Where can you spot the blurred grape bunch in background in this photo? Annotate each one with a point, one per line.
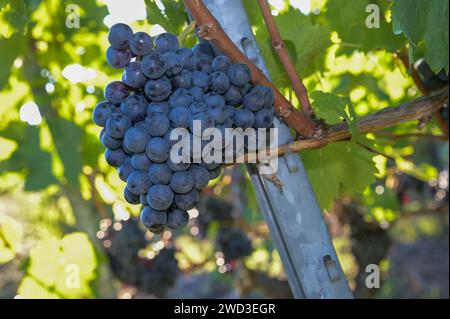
(61, 204)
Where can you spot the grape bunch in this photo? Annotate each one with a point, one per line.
(165, 87)
(233, 243)
(153, 276)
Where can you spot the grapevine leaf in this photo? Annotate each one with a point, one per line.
(11, 234)
(333, 109)
(66, 266)
(339, 167)
(29, 157)
(425, 21)
(306, 42)
(348, 19)
(14, 44)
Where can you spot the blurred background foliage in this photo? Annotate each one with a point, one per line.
(385, 198)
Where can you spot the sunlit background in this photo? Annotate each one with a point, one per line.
(62, 205)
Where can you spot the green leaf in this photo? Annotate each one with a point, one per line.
(425, 21)
(333, 109)
(65, 266)
(11, 234)
(172, 19)
(15, 45)
(348, 19)
(29, 157)
(339, 167)
(67, 137)
(306, 42)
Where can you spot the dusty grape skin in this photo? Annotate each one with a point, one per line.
(141, 43)
(158, 150)
(166, 42)
(177, 218)
(160, 197)
(116, 92)
(119, 35)
(158, 90)
(153, 65)
(151, 217)
(118, 59)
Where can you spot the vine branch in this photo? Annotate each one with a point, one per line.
(211, 30)
(288, 65)
(403, 56)
(420, 109)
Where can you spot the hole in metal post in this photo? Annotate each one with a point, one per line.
(331, 266)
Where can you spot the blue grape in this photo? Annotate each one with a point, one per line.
(158, 150)
(119, 35)
(135, 139)
(203, 50)
(166, 42)
(160, 173)
(206, 122)
(174, 63)
(131, 198)
(267, 93)
(115, 158)
(221, 63)
(204, 65)
(197, 93)
(244, 118)
(141, 43)
(180, 117)
(125, 169)
(215, 173)
(254, 101)
(102, 112)
(157, 124)
(239, 74)
(160, 197)
(210, 166)
(143, 199)
(158, 90)
(140, 162)
(153, 65)
(138, 182)
(152, 218)
(218, 113)
(200, 79)
(118, 59)
(214, 100)
(187, 201)
(246, 89)
(188, 58)
(135, 107)
(108, 141)
(218, 82)
(158, 107)
(116, 92)
(263, 119)
(201, 176)
(233, 95)
(133, 76)
(177, 218)
(182, 182)
(198, 107)
(169, 140)
(182, 80)
(178, 167)
(117, 125)
(181, 97)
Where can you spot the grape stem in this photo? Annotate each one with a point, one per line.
(419, 109)
(211, 30)
(288, 65)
